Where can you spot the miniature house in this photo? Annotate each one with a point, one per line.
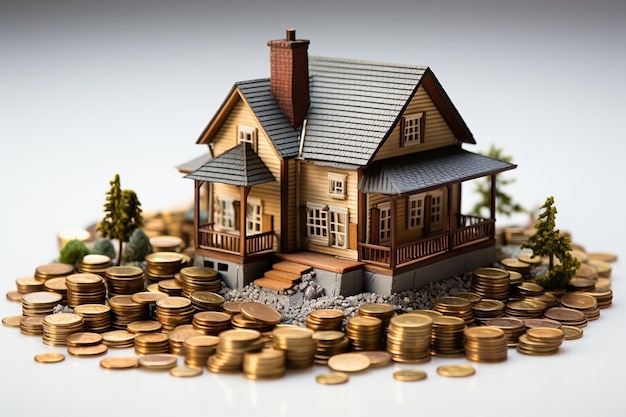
(352, 168)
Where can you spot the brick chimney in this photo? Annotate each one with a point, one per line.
(289, 76)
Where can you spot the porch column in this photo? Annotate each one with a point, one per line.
(493, 197)
(243, 217)
(196, 211)
(393, 229)
(449, 218)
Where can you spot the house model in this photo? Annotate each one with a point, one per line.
(350, 168)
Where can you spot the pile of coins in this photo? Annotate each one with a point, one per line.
(197, 350)
(163, 265)
(492, 283)
(97, 317)
(329, 343)
(298, 344)
(269, 363)
(124, 280)
(197, 278)
(455, 306)
(40, 303)
(94, 264)
(234, 343)
(57, 327)
(174, 311)
(211, 322)
(325, 319)
(541, 341)
(447, 336)
(409, 338)
(365, 333)
(124, 311)
(85, 288)
(486, 344)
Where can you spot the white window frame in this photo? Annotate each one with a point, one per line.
(337, 185)
(225, 213)
(254, 216)
(436, 211)
(415, 211)
(413, 125)
(384, 231)
(247, 134)
(338, 220)
(317, 223)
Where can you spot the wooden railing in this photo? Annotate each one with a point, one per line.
(227, 242)
(471, 230)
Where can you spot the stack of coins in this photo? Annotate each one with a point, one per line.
(298, 344)
(528, 289)
(197, 350)
(513, 328)
(57, 327)
(329, 343)
(603, 296)
(198, 278)
(493, 283)
(171, 286)
(85, 288)
(455, 306)
(382, 311)
(550, 299)
(526, 308)
(409, 338)
(256, 316)
(581, 284)
(365, 333)
(124, 280)
(325, 319)
(124, 311)
(32, 325)
(57, 285)
(541, 341)
(163, 265)
(86, 345)
(485, 344)
(566, 316)
(27, 285)
(94, 264)
(151, 343)
(230, 351)
(515, 279)
(178, 337)
(515, 264)
(487, 309)
(269, 363)
(40, 303)
(174, 311)
(211, 322)
(147, 297)
(118, 339)
(232, 308)
(447, 336)
(53, 270)
(206, 301)
(582, 302)
(530, 259)
(97, 317)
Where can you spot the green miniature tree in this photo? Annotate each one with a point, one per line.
(138, 247)
(549, 242)
(122, 215)
(504, 202)
(103, 247)
(73, 252)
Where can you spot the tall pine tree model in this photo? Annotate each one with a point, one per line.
(122, 215)
(549, 242)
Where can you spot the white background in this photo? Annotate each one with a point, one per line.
(90, 90)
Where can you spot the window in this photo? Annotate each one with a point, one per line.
(317, 223)
(436, 215)
(384, 232)
(336, 185)
(415, 211)
(247, 134)
(225, 216)
(254, 216)
(412, 129)
(338, 224)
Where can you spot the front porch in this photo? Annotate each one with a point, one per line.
(230, 242)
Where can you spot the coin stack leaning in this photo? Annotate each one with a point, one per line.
(27, 285)
(269, 363)
(163, 265)
(325, 319)
(97, 317)
(57, 327)
(492, 283)
(486, 344)
(448, 336)
(124, 311)
(206, 301)
(197, 349)
(124, 280)
(329, 343)
(527, 289)
(409, 338)
(603, 296)
(541, 341)
(198, 278)
(566, 316)
(582, 302)
(455, 306)
(40, 303)
(298, 344)
(365, 333)
(85, 288)
(174, 311)
(94, 264)
(234, 343)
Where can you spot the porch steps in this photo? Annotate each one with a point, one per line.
(282, 276)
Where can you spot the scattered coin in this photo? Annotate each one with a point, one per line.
(572, 332)
(12, 321)
(409, 375)
(332, 378)
(120, 362)
(95, 350)
(49, 357)
(158, 361)
(456, 370)
(185, 371)
(349, 362)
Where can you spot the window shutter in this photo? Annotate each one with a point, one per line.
(402, 131)
(422, 127)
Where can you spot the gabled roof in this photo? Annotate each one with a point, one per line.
(239, 166)
(428, 170)
(354, 106)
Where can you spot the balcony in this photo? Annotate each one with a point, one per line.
(230, 242)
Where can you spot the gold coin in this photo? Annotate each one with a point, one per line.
(185, 371)
(332, 378)
(158, 361)
(12, 321)
(94, 350)
(14, 296)
(260, 312)
(571, 332)
(49, 357)
(84, 339)
(145, 297)
(349, 362)
(456, 370)
(409, 375)
(377, 357)
(143, 326)
(120, 362)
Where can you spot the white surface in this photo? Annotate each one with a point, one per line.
(90, 90)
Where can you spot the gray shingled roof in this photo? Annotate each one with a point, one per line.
(239, 166)
(427, 170)
(195, 163)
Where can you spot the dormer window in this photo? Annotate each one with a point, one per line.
(412, 129)
(247, 134)
(336, 185)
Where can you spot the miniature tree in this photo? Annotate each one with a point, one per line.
(72, 252)
(122, 215)
(138, 247)
(104, 247)
(548, 241)
(504, 202)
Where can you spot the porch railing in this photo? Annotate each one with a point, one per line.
(228, 242)
(472, 229)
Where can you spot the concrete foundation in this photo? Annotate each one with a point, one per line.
(235, 275)
(334, 283)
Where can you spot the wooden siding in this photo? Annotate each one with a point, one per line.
(268, 193)
(437, 133)
(292, 210)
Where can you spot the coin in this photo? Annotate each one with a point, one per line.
(185, 371)
(120, 362)
(571, 332)
(49, 357)
(158, 361)
(94, 350)
(409, 375)
(332, 378)
(456, 370)
(260, 312)
(84, 339)
(377, 357)
(12, 321)
(349, 362)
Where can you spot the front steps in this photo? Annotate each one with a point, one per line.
(283, 276)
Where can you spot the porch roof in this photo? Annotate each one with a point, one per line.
(428, 170)
(239, 166)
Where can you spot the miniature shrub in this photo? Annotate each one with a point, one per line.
(72, 252)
